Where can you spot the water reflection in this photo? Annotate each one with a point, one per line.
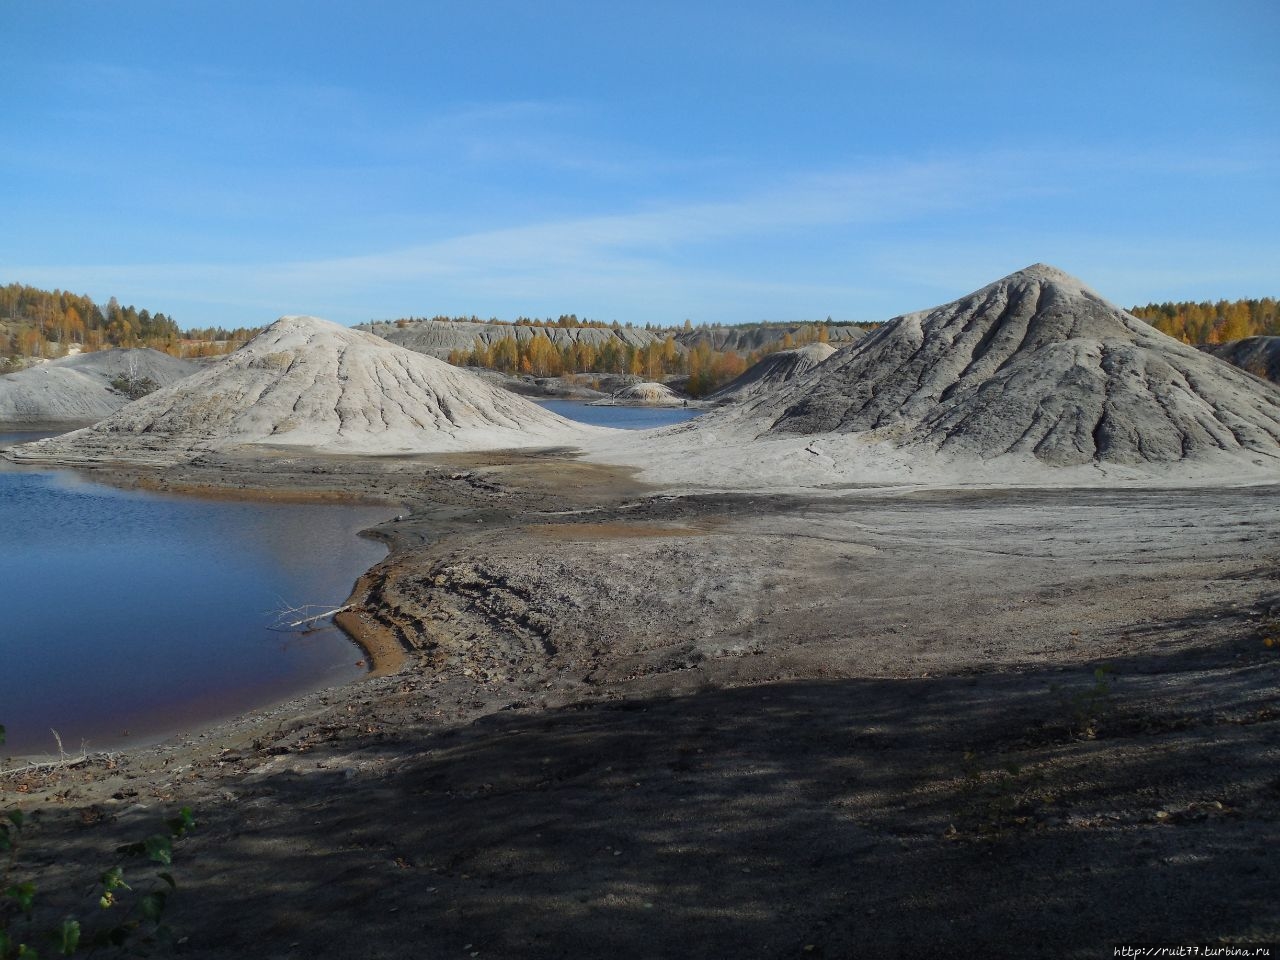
(628, 418)
(140, 612)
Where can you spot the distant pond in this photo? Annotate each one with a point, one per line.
(132, 615)
(628, 418)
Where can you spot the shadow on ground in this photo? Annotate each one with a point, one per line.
(972, 816)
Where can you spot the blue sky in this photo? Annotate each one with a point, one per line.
(229, 162)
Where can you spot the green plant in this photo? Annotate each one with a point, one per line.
(134, 387)
(996, 799)
(136, 916)
(1087, 709)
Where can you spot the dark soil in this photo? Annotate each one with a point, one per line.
(633, 723)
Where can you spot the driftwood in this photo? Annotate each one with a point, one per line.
(68, 762)
(64, 761)
(285, 617)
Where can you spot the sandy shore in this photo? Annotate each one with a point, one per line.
(608, 719)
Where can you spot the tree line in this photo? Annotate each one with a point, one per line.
(36, 323)
(707, 369)
(565, 320)
(1206, 322)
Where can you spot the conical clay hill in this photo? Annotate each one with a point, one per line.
(311, 383)
(1035, 364)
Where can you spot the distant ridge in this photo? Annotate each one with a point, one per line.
(439, 338)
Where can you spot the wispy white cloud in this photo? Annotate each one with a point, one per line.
(666, 261)
(642, 260)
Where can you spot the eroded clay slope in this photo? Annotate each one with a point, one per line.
(308, 382)
(772, 371)
(79, 389)
(1034, 364)
(1257, 355)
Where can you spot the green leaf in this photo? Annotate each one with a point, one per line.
(70, 936)
(17, 818)
(113, 879)
(27, 953)
(160, 849)
(152, 906)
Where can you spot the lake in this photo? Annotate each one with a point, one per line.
(628, 418)
(132, 615)
(127, 615)
(24, 436)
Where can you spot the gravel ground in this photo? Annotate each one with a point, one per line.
(633, 723)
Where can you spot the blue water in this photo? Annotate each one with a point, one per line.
(23, 436)
(125, 615)
(628, 418)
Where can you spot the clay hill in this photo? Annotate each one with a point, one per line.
(79, 389)
(438, 338)
(647, 394)
(772, 371)
(311, 383)
(1257, 355)
(1035, 364)
(749, 337)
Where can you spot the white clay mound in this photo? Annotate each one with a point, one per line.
(78, 389)
(1034, 379)
(1257, 355)
(307, 382)
(1035, 364)
(655, 394)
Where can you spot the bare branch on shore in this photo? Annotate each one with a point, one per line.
(65, 762)
(287, 618)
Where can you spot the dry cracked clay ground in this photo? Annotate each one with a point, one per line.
(641, 724)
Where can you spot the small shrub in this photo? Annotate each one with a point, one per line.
(134, 387)
(1086, 709)
(136, 907)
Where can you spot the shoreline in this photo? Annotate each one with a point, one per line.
(381, 655)
(385, 651)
